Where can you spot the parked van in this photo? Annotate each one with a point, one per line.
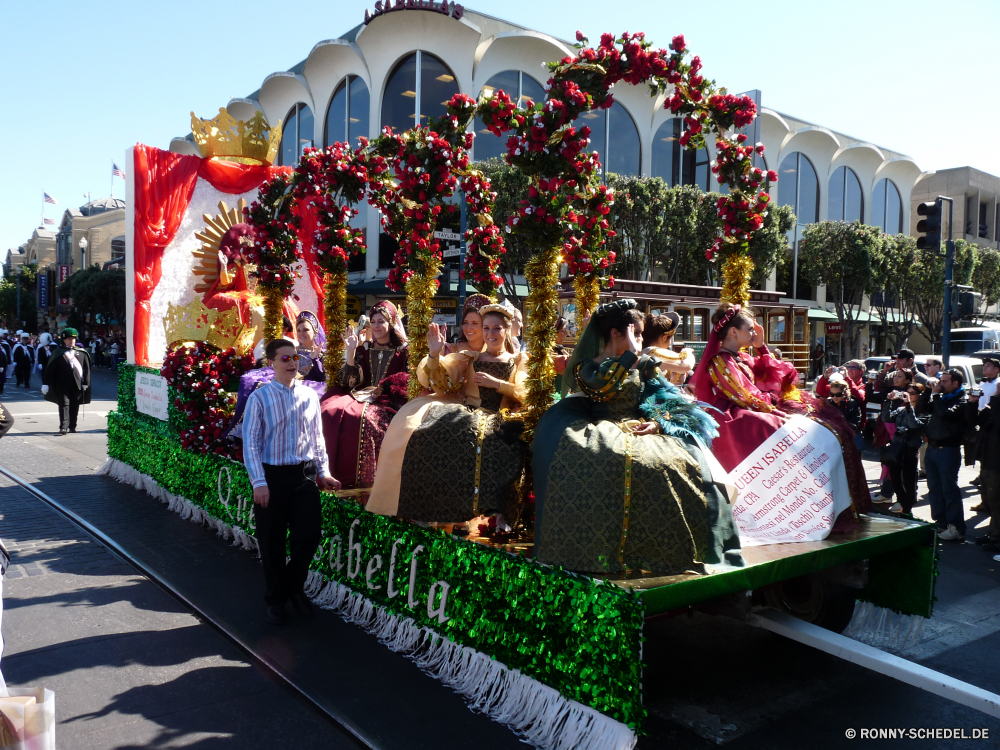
(967, 341)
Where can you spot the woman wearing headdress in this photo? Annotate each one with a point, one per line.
(623, 480)
(312, 342)
(457, 454)
(372, 387)
(756, 393)
(384, 354)
(657, 337)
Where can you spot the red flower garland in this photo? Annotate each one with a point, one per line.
(275, 250)
(205, 380)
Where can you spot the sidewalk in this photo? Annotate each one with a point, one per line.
(130, 668)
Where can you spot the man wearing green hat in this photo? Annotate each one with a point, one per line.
(66, 380)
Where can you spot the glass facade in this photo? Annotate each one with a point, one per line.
(520, 87)
(676, 165)
(347, 115)
(296, 134)
(847, 203)
(887, 212)
(798, 187)
(615, 138)
(403, 97)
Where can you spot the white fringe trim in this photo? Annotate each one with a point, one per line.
(182, 506)
(883, 628)
(536, 712)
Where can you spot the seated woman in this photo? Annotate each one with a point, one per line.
(312, 342)
(452, 456)
(372, 387)
(756, 394)
(657, 341)
(622, 477)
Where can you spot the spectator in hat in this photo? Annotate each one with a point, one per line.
(66, 380)
(932, 368)
(974, 449)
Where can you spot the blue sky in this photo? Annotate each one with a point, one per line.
(84, 81)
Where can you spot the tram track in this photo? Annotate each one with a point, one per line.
(262, 661)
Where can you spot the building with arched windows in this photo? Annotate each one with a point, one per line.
(402, 65)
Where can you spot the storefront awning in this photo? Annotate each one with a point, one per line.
(817, 314)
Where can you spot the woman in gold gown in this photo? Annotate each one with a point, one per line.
(457, 454)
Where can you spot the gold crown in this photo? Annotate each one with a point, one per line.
(196, 322)
(227, 138)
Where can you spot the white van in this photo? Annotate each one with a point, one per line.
(967, 341)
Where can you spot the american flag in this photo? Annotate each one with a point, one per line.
(49, 199)
(117, 171)
(49, 221)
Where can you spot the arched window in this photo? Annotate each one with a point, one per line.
(676, 165)
(615, 138)
(404, 100)
(887, 212)
(520, 87)
(798, 187)
(296, 134)
(846, 200)
(347, 115)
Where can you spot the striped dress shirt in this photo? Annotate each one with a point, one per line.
(282, 427)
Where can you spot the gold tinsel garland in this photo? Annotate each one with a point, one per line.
(588, 295)
(542, 308)
(736, 272)
(334, 315)
(420, 291)
(274, 300)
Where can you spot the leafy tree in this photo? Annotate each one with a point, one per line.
(638, 218)
(511, 187)
(769, 246)
(28, 279)
(927, 293)
(96, 292)
(986, 276)
(895, 281)
(844, 256)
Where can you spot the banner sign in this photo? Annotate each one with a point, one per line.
(63, 275)
(151, 394)
(43, 290)
(792, 487)
(834, 328)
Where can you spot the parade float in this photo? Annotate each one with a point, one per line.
(221, 244)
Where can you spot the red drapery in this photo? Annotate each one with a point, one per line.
(164, 184)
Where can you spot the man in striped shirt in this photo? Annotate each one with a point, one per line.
(285, 456)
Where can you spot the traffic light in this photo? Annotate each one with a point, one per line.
(966, 303)
(929, 227)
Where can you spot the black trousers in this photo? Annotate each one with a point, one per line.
(904, 477)
(69, 409)
(288, 529)
(22, 373)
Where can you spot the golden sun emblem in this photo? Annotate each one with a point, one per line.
(221, 252)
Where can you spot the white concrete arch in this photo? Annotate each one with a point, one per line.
(183, 146)
(530, 49)
(904, 173)
(864, 160)
(280, 92)
(327, 65)
(244, 109)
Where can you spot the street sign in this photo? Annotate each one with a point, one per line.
(452, 252)
(445, 235)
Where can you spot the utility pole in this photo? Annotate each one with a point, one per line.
(949, 275)
(461, 263)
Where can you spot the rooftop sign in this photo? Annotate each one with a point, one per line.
(444, 7)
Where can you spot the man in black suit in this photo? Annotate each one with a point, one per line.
(24, 358)
(66, 380)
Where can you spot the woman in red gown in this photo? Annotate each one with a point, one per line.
(756, 393)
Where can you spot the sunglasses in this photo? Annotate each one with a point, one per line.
(289, 357)
(837, 395)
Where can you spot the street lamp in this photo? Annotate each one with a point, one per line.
(83, 253)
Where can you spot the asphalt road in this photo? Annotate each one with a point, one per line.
(709, 681)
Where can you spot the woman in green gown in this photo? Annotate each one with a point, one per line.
(623, 480)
